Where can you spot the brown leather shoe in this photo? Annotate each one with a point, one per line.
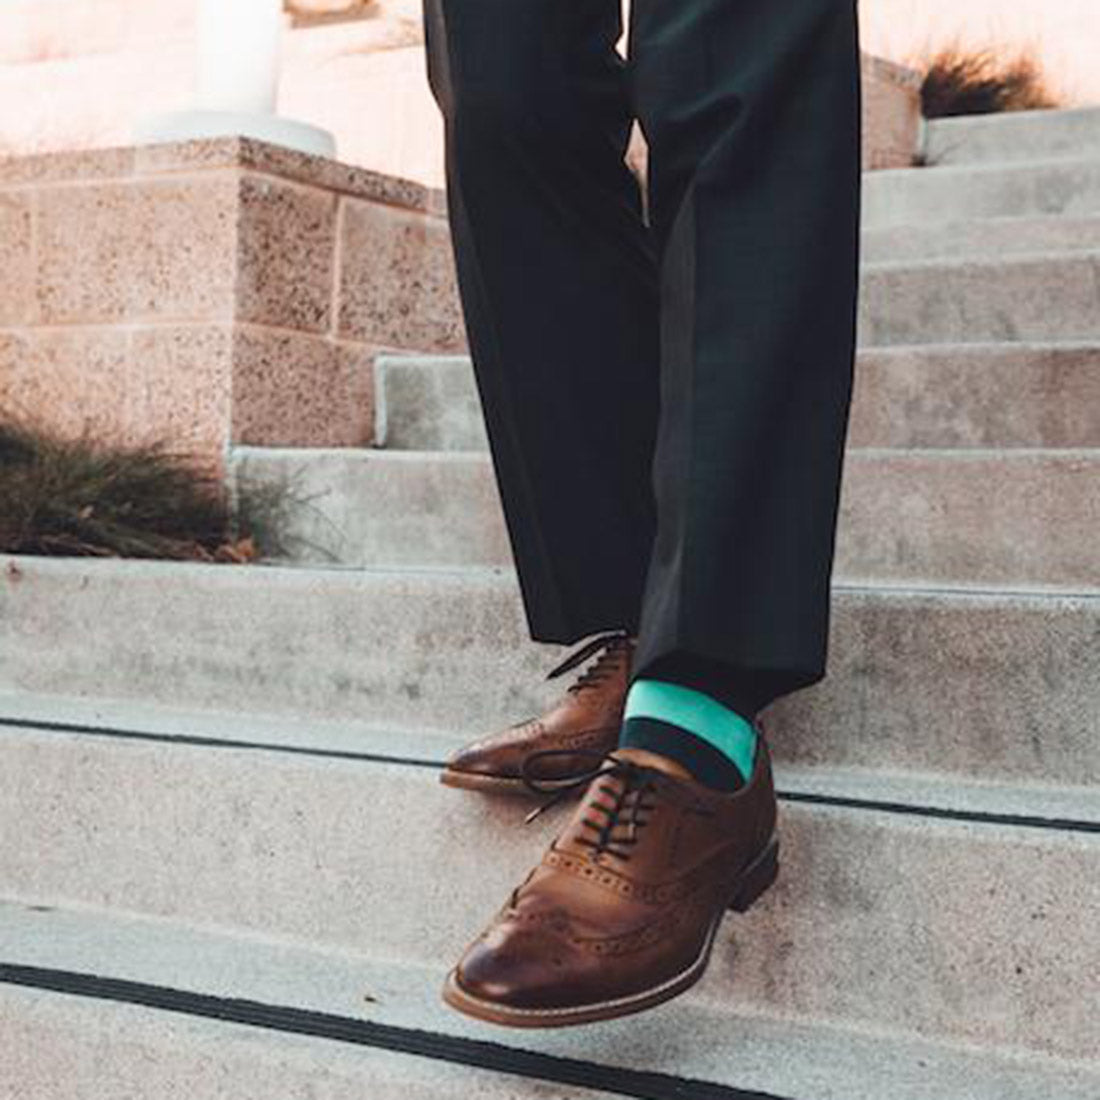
(621, 913)
(587, 718)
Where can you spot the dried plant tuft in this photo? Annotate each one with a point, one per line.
(61, 496)
(965, 81)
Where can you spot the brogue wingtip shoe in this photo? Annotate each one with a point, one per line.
(491, 764)
(621, 913)
(587, 719)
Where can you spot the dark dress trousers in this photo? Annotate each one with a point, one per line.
(665, 391)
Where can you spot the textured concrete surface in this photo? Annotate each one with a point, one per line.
(135, 383)
(931, 397)
(397, 280)
(997, 518)
(85, 165)
(297, 389)
(175, 383)
(1067, 186)
(365, 507)
(952, 792)
(690, 1038)
(869, 903)
(65, 1048)
(16, 260)
(983, 686)
(352, 180)
(979, 298)
(125, 161)
(930, 517)
(989, 685)
(195, 292)
(427, 403)
(197, 385)
(891, 114)
(113, 251)
(1033, 297)
(286, 254)
(906, 396)
(980, 236)
(1016, 135)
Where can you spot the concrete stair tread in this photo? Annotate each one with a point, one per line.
(979, 237)
(1031, 297)
(1011, 136)
(925, 516)
(376, 856)
(691, 1045)
(972, 169)
(1067, 184)
(907, 396)
(994, 685)
(1026, 799)
(985, 262)
(448, 456)
(417, 358)
(57, 1045)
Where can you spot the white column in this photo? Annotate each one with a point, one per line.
(238, 54)
(237, 47)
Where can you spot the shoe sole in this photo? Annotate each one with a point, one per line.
(748, 888)
(488, 784)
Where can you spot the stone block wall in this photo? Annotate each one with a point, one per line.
(212, 293)
(891, 114)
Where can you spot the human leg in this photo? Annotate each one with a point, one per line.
(558, 282)
(751, 111)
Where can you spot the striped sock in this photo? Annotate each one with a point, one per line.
(716, 744)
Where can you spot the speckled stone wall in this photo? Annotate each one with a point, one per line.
(211, 293)
(891, 114)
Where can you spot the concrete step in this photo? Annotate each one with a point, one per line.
(427, 403)
(56, 1045)
(971, 517)
(1024, 297)
(982, 300)
(928, 517)
(1027, 188)
(994, 687)
(1013, 136)
(907, 397)
(947, 793)
(61, 1047)
(980, 237)
(377, 857)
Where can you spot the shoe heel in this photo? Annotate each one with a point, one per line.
(756, 880)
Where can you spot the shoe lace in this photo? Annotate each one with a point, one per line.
(621, 782)
(612, 644)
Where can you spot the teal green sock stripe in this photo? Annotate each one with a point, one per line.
(709, 720)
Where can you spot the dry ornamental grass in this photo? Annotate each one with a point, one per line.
(78, 497)
(961, 81)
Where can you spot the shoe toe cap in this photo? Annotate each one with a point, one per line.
(500, 754)
(485, 758)
(516, 974)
